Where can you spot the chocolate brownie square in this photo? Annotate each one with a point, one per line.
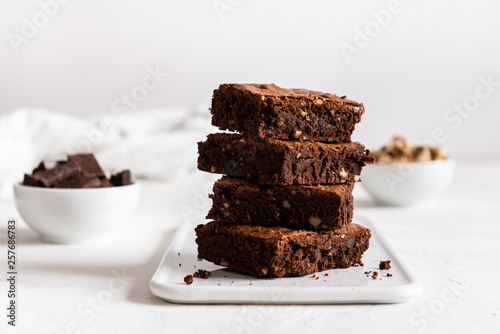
(278, 162)
(268, 111)
(280, 251)
(311, 207)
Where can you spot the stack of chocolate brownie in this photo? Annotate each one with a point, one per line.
(284, 206)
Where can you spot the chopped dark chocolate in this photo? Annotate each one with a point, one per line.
(29, 180)
(88, 163)
(50, 177)
(79, 181)
(105, 183)
(81, 171)
(40, 167)
(123, 178)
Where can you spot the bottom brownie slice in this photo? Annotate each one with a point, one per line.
(279, 251)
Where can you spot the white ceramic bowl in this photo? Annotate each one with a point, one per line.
(407, 183)
(75, 215)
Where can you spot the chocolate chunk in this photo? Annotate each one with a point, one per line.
(79, 181)
(105, 183)
(39, 168)
(57, 174)
(29, 180)
(47, 165)
(122, 179)
(89, 165)
(384, 265)
(81, 171)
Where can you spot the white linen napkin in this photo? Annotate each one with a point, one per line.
(153, 144)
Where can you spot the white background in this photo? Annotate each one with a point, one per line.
(428, 58)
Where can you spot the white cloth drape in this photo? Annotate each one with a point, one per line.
(154, 144)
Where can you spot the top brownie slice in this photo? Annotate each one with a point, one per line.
(268, 111)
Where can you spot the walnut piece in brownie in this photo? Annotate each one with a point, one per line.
(271, 112)
(384, 265)
(278, 162)
(311, 207)
(279, 251)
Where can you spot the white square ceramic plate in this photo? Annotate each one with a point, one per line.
(334, 286)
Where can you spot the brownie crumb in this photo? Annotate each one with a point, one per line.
(368, 272)
(385, 265)
(313, 276)
(375, 274)
(180, 265)
(326, 274)
(201, 273)
(389, 275)
(317, 277)
(188, 279)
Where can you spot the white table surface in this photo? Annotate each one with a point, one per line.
(451, 244)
